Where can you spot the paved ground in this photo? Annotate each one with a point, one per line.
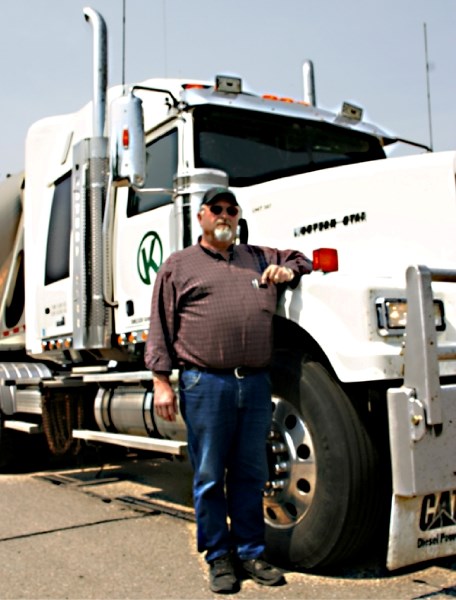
(126, 531)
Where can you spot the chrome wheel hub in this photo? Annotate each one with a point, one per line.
(292, 467)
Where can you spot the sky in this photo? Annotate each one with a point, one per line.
(368, 52)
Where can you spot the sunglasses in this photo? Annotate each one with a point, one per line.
(216, 209)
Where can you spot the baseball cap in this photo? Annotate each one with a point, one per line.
(219, 193)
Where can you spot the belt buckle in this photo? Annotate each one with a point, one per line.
(237, 373)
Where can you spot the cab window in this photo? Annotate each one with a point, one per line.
(59, 233)
(253, 147)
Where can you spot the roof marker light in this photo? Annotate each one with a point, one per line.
(326, 260)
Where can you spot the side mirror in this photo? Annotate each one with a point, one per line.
(127, 141)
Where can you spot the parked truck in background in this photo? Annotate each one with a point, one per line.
(364, 368)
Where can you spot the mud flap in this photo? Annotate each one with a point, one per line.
(423, 458)
(421, 528)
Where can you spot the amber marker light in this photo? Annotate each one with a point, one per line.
(125, 138)
(194, 86)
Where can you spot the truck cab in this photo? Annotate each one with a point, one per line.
(232, 138)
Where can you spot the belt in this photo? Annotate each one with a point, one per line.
(238, 372)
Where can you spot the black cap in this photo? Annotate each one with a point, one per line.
(219, 193)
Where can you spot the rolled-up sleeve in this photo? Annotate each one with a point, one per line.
(294, 260)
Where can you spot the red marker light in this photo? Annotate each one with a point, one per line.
(326, 260)
(125, 138)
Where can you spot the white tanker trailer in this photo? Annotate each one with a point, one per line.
(12, 299)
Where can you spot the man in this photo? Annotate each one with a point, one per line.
(211, 317)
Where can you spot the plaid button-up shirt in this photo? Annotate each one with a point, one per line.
(210, 312)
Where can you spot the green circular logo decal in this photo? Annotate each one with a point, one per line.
(150, 256)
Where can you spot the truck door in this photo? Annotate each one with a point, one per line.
(55, 298)
(143, 228)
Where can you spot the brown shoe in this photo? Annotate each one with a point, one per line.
(262, 572)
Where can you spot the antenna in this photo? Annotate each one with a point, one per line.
(431, 144)
(123, 45)
(164, 38)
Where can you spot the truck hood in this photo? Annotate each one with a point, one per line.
(381, 216)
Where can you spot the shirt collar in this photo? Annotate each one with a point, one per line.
(216, 254)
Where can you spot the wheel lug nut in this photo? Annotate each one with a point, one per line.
(281, 467)
(278, 448)
(277, 484)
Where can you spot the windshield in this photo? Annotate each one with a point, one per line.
(253, 147)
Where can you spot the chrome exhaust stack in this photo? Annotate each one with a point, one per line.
(90, 173)
(100, 70)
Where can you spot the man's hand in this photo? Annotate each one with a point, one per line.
(165, 401)
(276, 274)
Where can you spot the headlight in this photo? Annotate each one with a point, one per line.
(392, 315)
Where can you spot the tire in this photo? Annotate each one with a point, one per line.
(322, 501)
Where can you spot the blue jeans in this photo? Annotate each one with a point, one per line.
(228, 420)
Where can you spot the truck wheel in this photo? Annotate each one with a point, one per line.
(322, 499)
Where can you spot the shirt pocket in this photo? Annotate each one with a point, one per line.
(266, 297)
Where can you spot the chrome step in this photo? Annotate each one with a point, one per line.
(133, 441)
(23, 426)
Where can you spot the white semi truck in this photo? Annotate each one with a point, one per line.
(362, 445)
